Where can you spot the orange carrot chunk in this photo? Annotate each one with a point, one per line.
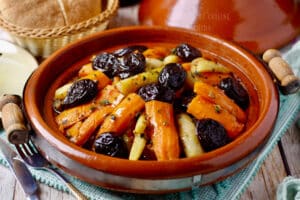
(100, 77)
(164, 136)
(107, 101)
(71, 116)
(217, 96)
(122, 115)
(200, 108)
(108, 95)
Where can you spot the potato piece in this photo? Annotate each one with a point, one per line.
(62, 91)
(171, 59)
(133, 83)
(139, 141)
(153, 63)
(188, 136)
(200, 65)
(85, 70)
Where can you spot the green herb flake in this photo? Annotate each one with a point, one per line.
(104, 102)
(217, 108)
(93, 108)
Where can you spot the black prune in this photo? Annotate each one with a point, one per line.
(156, 92)
(133, 63)
(107, 63)
(173, 76)
(110, 145)
(234, 90)
(211, 134)
(80, 92)
(187, 52)
(181, 103)
(127, 50)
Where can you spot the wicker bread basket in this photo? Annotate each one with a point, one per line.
(44, 41)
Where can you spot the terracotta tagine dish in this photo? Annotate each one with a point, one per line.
(172, 169)
(255, 25)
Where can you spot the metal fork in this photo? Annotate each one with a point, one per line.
(33, 158)
(18, 133)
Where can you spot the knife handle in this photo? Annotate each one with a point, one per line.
(289, 83)
(13, 119)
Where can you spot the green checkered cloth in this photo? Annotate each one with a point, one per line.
(230, 188)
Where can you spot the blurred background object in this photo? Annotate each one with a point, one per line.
(124, 3)
(258, 25)
(43, 26)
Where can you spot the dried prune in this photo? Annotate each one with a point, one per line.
(211, 134)
(127, 50)
(181, 103)
(80, 92)
(133, 63)
(107, 63)
(172, 76)
(234, 90)
(187, 52)
(156, 92)
(110, 145)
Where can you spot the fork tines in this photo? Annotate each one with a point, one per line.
(26, 149)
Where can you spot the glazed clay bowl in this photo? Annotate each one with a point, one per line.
(150, 176)
(257, 26)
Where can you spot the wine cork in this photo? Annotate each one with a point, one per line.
(13, 120)
(289, 83)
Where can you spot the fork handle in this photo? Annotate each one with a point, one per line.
(13, 119)
(70, 186)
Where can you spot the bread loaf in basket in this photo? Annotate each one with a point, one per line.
(43, 26)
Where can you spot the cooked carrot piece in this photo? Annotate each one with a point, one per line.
(186, 66)
(200, 108)
(73, 131)
(72, 115)
(108, 99)
(156, 52)
(109, 95)
(217, 96)
(90, 124)
(98, 76)
(164, 137)
(122, 115)
(212, 78)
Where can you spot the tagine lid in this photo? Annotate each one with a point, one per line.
(255, 26)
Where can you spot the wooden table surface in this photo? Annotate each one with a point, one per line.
(284, 160)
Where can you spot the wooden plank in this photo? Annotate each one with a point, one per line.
(47, 192)
(291, 147)
(269, 176)
(7, 183)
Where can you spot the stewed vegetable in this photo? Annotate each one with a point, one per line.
(152, 103)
